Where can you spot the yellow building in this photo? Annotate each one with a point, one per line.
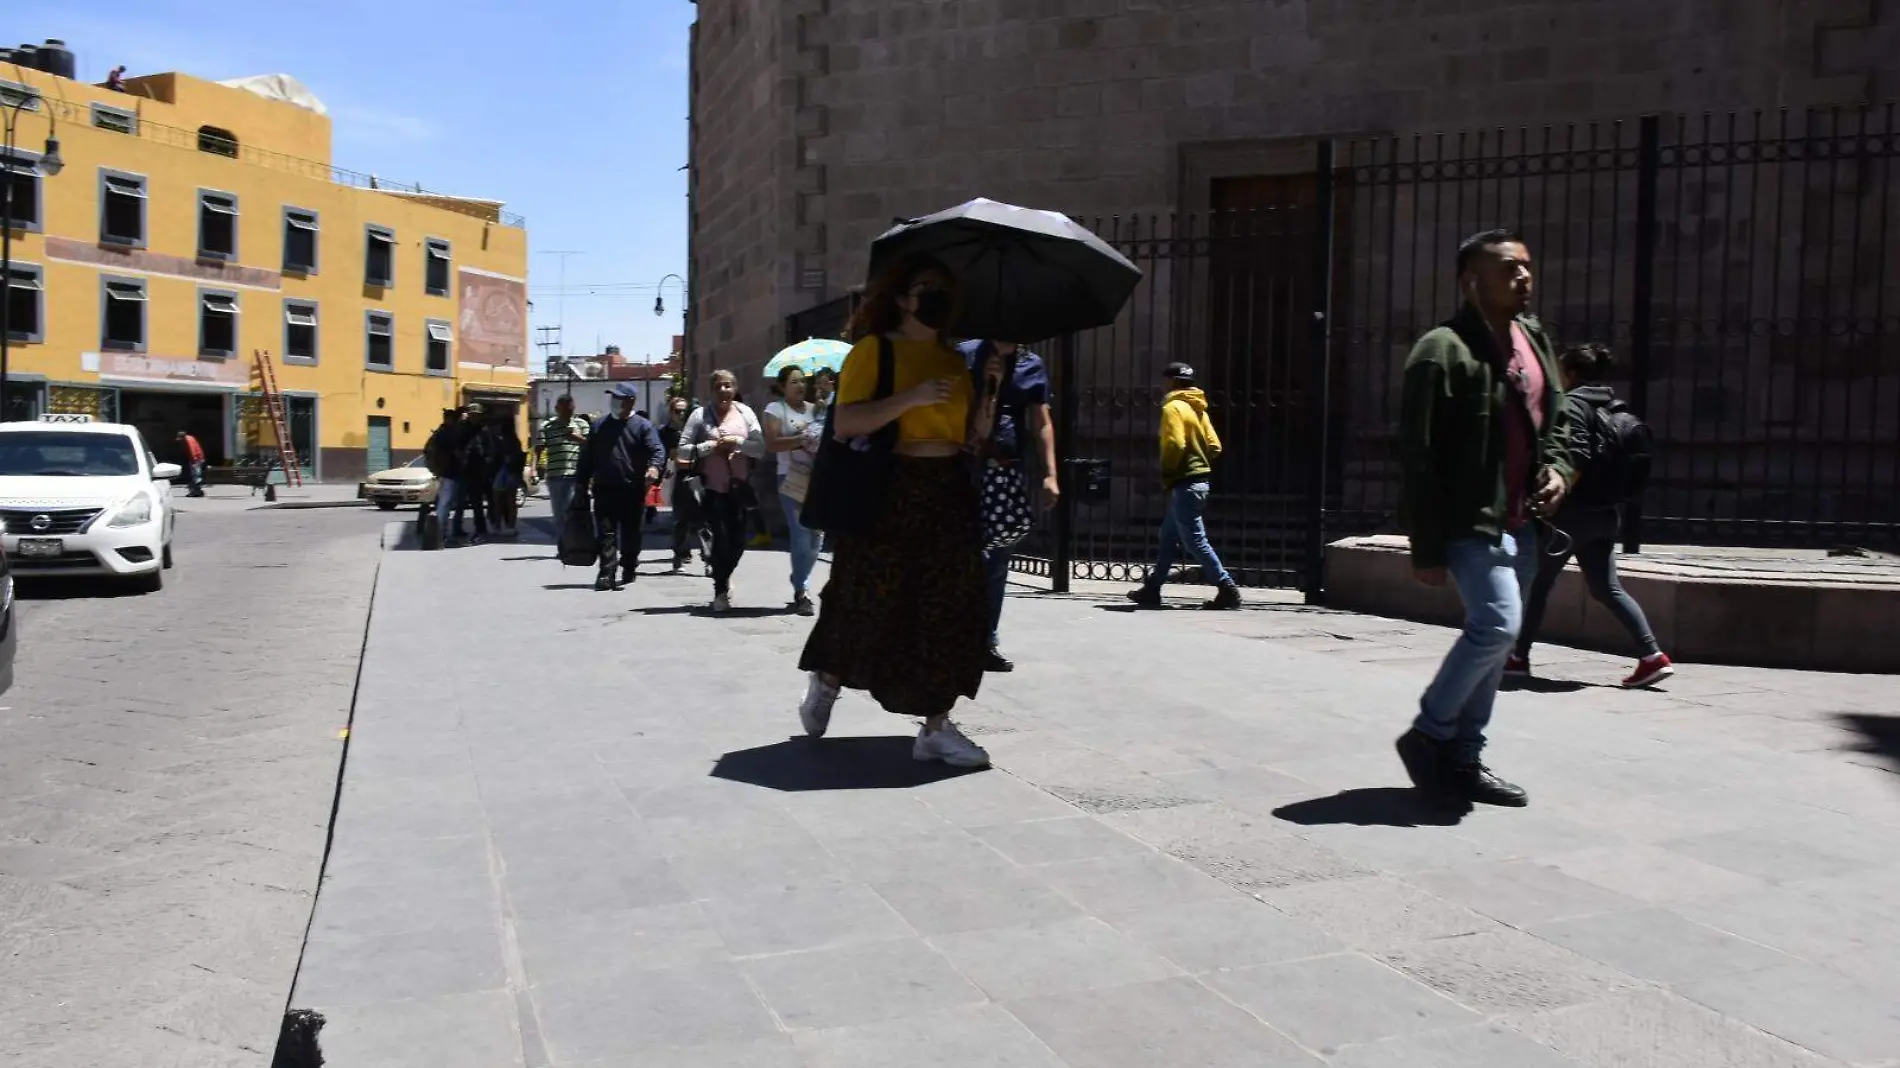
(195, 223)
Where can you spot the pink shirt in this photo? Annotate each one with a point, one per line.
(722, 471)
(1525, 375)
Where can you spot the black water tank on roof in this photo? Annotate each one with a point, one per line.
(56, 59)
(27, 56)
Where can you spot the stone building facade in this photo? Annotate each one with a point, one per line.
(816, 122)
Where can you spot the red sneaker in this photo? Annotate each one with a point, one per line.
(1517, 667)
(1649, 671)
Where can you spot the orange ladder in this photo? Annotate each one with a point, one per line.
(274, 405)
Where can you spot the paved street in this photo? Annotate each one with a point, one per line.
(167, 769)
(575, 832)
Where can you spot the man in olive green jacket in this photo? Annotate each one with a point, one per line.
(1482, 436)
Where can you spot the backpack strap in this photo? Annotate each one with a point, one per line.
(886, 367)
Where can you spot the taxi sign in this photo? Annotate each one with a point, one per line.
(65, 417)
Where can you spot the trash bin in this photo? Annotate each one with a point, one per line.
(1088, 480)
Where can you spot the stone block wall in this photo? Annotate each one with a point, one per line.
(819, 121)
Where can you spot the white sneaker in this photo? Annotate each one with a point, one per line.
(950, 746)
(815, 711)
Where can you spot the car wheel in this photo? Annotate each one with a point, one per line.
(166, 556)
(387, 506)
(150, 583)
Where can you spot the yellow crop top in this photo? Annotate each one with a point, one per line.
(915, 362)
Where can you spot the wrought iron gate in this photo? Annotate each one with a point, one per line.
(1744, 268)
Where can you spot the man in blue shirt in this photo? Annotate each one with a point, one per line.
(1016, 382)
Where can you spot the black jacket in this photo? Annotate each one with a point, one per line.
(619, 452)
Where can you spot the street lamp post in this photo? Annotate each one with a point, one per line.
(659, 302)
(49, 165)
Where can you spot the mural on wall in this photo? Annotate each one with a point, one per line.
(494, 320)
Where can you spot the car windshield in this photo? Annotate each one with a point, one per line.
(64, 452)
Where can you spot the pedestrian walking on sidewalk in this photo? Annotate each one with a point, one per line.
(560, 439)
(689, 527)
(1484, 439)
(510, 460)
(194, 464)
(791, 432)
(903, 613)
(1610, 449)
(1013, 383)
(443, 456)
(475, 480)
(622, 457)
(1189, 450)
(721, 440)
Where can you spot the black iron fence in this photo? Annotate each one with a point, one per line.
(1744, 267)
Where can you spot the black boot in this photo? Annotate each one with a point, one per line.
(998, 663)
(603, 583)
(1146, 597)
(1225, 600)
(1481, 786)
(1424, 760)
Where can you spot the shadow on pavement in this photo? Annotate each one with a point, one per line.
(706, 611)
(54, 588)
(800, 764)
(1379, 806)
(1880, 735)
(1537, 685)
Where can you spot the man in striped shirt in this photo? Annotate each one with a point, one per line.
(559, 443)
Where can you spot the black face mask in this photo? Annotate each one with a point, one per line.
(933, 308)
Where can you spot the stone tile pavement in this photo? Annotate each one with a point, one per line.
(578, 830)
(167, 767)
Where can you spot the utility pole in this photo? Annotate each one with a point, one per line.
(560, 303)
(549, 345)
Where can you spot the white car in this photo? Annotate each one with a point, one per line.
(84, 498)
(409, 484)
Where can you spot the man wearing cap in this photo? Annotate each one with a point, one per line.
(1189, 447)
(622, 457)
(474, 477)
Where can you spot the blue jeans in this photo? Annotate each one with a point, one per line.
(445, 502)
(1456, 707)
(997, 564)
(1183, 525)
(560, 497)
(804, 541)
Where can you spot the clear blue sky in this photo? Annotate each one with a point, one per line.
(572, 111)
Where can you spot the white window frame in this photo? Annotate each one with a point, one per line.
(295, 306)
(208, 202)
(215, 302)
(142, 297)
(442, 332)
(139, 189)
(372, 233)
(115, 120)
(31, 277)
(433, 249)
(388, 318)
(22, 162)
(294, 218)
(11, 92)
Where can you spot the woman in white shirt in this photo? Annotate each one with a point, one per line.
(723, 438)
(792, 427)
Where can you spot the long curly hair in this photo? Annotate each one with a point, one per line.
(878, 312)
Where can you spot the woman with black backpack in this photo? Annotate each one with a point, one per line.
(1610, 449)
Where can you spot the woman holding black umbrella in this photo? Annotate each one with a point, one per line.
(904, 614)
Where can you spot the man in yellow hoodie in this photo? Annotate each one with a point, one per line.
(1189, 447)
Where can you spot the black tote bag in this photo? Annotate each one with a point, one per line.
(849, 479)
(577, 545)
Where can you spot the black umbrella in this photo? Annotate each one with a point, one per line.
(1026, 274)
